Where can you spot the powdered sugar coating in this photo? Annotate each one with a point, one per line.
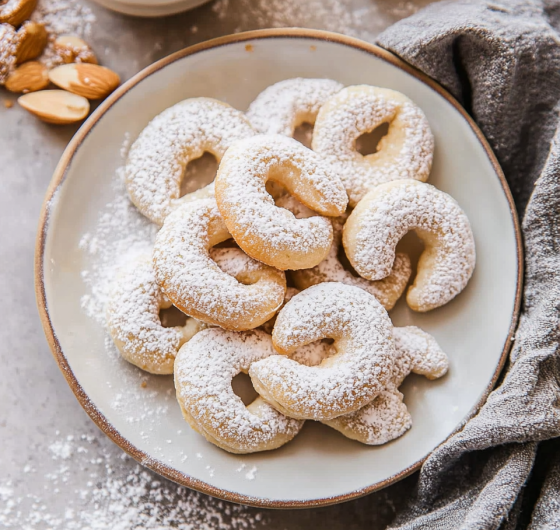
(379, 422)
(417, 352)
(387, 291)
(204, 370)
(387, 213)
(194, 282)
(310, 354)
(158, 158)
(387, 417)
(342, 383)
(134, 323)
(270, 234)
(268, 326)
(405, 152)
(7, 51)
(281, 107)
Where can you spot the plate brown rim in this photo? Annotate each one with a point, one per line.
(59, 177)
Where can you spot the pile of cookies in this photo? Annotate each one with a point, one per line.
(255, 261)
(73, 67)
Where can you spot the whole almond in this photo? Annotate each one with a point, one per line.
(72, 49)
(88, 80)
(55, 106)
(31, 41)
(29, 77)
(15, 12)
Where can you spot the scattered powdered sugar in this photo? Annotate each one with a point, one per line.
(125, 146)
(266, 232)
(158, 158)
(387, 291)
(386, 417)
(62, 17)
(281, 107)
(363, 339)
(121, 235)
(404, 153)
(62, 449)
(357, 18)
(387, 213)
(204, 370)
(116, 494)
(196, 284)
(250, 475)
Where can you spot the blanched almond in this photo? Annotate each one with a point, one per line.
(88, 80)
(29, 77)
(15, 12)
(55, 106)
(72, 49)
(31, 41)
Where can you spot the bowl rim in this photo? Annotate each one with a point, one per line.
(58, 179)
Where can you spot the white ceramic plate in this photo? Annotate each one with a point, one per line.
(320, 466)
(150, 8)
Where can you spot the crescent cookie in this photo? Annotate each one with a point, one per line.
(134, 323)
(158, 158)
(204, 369)
(196, 284)
(266, 232)
(387, 291)
(345, 381)
(387, 417)
(282, 107)
(310, 354)
(387, 213)
(405, 152)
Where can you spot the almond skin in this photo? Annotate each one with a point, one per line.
(29, 77)
(31, 41)
(72, 49)
(15, 12)
(88, 80)
(55, 106)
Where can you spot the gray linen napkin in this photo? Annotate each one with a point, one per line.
(501, 60)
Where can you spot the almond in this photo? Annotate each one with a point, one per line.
(15, 12)
(88, 80)
(31, 41)
(72, 49)
(55, 106)
(29, 77)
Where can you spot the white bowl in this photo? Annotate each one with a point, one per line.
(150, 8)
(320, 466)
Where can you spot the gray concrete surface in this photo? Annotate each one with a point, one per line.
(56, 467)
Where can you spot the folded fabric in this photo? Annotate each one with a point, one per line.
(501, 60)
